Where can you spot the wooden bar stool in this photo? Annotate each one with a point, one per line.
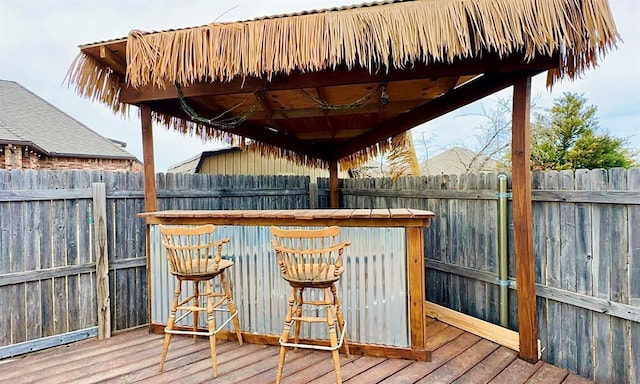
(311, 259)
(194, 256)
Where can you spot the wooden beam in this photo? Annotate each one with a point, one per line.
(456, 98)
(393, 107)
(484, 329)
(114, 61)
(334, 197)
(150, 195)
(523, 220)
(340, 76)
(150, 202)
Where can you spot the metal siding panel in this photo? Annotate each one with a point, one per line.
(373, 289)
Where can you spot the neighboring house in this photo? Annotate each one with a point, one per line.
(234, 161)
(458, 160)
(34, 134)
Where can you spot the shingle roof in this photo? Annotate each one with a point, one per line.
(192, 164)
(6, 134)
(458, 160)
(25, 118)
(188, 166)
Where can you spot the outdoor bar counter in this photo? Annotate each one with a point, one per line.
(382, 289)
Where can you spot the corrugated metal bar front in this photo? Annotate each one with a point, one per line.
(373, 288)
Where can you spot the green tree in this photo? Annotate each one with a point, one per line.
(567, 136)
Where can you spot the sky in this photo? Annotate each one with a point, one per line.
(39, 39)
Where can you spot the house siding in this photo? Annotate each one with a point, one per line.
(17, 157)
(251, 163)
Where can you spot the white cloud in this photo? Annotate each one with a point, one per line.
(39, 39)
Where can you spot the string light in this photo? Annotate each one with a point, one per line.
(384, 98)
(219, 121)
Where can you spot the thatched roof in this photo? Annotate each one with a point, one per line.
(377, 38)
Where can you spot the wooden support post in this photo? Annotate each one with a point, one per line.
(150, 202)
(417, 297)
(334, 197)
(150, 197)
(102, 260)
(523, 220)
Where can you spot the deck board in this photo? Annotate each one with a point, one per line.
(133, 356)
(517, 372)
(548, 374)
(380, 371)
(350, 370)
(419, 369)
(459, 365)
(487, 369)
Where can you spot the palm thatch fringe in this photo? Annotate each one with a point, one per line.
(96, 82)
(390, 35)
(402, 157)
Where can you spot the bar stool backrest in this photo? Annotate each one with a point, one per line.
(309, 255)
(192, 250)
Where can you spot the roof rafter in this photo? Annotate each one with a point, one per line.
(456, 98)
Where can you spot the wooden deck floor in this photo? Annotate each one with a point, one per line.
(133, 356)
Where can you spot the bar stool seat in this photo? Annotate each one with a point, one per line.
(194, 256)
(311, 259)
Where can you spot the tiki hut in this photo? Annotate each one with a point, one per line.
(335, 87)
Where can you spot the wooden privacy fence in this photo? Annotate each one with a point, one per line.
(48, 250)
(587, 249)
(48, 258)
(586, 238)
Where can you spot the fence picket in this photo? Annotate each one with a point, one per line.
(619, 288)
(552, 275)
(568, 278)
(584, 283)
(601, 266)
(633, 180)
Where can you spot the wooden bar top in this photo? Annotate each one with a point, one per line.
(397, 217)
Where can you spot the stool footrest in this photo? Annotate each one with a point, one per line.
(315, 302)
(320, 347)
(310, 319)
(203, 333)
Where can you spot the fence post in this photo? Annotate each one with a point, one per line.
(313, 196)
(102, 260)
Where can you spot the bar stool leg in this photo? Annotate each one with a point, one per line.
(285, 334)
(231, 306)
(196, 303)
(170, 323)
(299, 303)
(339, 315)
(333, 339)
(211, 325)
